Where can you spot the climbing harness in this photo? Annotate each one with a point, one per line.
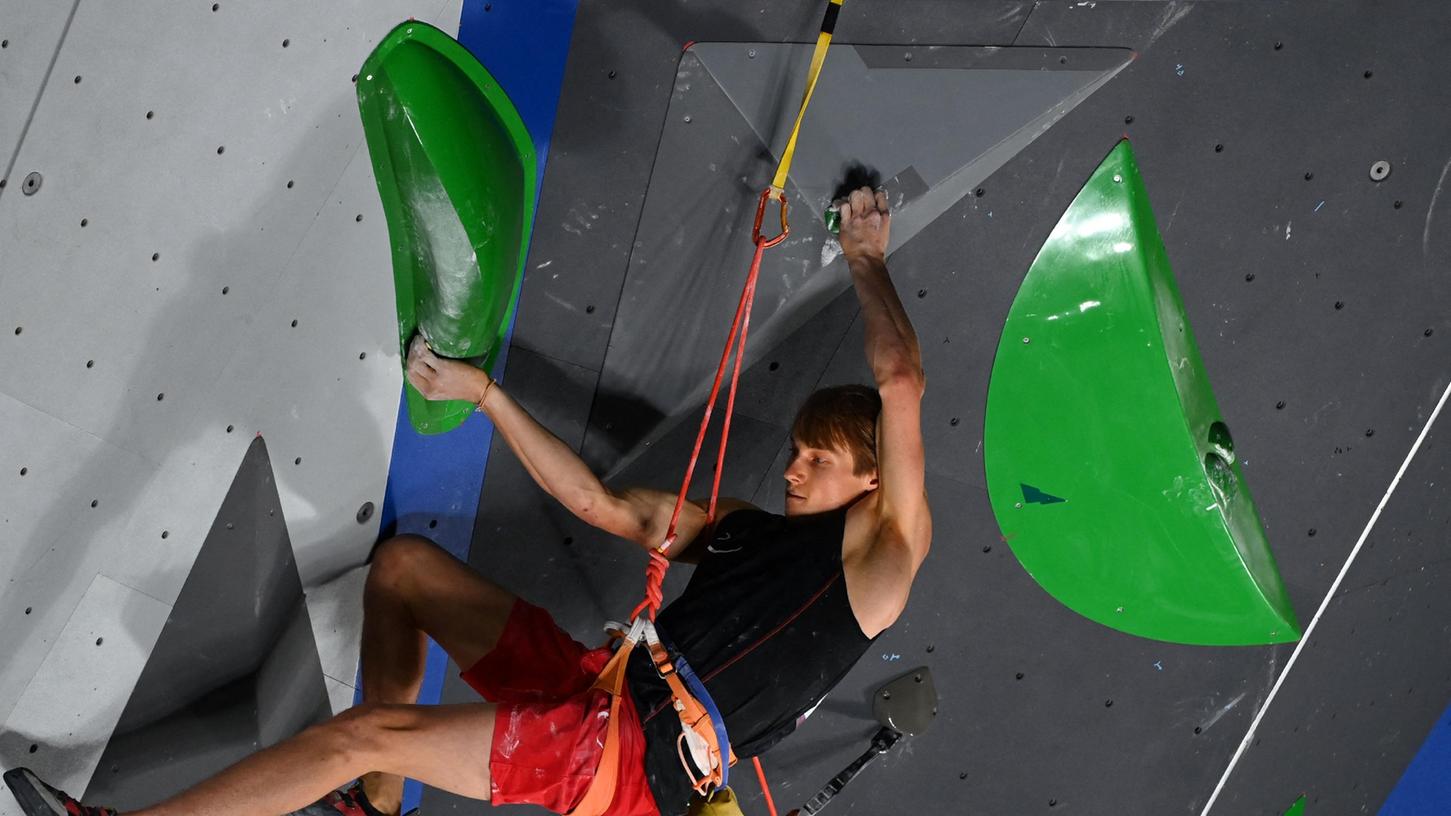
(704, 744)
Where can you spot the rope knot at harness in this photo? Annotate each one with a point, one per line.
(654, 589)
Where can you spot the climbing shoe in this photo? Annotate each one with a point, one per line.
(39, 799)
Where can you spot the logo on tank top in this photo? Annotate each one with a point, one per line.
(722, 537)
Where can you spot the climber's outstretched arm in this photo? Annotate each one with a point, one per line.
(640, 515)
(902, 522)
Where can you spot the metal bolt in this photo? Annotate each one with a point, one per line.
(687, 119)
(1026, 340)
(1117, 179)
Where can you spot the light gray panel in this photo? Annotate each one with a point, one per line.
(138, 293)
(159, 187)
(52, 474)
(30, 35)
(61, 721)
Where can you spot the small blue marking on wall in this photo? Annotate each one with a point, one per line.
(1425, 787)
(434, 481)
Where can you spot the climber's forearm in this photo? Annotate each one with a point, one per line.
(891, 342)
(551, 463)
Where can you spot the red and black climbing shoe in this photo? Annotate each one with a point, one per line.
(350, 801)
(39, 799)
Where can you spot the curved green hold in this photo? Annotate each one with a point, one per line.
(1297, 809)
(456, 172)
(1110, 471)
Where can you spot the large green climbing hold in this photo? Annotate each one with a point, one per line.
(1297, 809)
(1110, 471)
(456, 172)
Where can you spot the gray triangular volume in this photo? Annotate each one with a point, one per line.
(937, 120)
(235, 668)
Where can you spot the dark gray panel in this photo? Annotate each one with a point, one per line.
(1277, 337)
(622, 66)
(690, 263)
(979, 621)
(527, 541)
(1376, 673)
(235, 668)
(773, 388)
(693, 249)
(989, 103)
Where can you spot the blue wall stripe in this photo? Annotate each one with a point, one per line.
(434, 482)
(1425, 787)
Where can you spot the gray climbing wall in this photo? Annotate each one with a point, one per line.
(191, 264)
(1320, 299)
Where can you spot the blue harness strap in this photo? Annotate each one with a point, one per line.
(697, 690)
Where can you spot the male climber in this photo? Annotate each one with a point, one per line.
(777, 611)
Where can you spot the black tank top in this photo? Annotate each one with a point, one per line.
(766, 624)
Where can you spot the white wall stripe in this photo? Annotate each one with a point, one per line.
(1253, 726)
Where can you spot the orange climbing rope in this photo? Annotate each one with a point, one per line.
(699, 736)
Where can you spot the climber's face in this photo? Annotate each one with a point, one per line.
(822, 479)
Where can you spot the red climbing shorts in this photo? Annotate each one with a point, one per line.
(549, 730)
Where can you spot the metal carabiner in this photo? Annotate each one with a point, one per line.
(766, 195)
